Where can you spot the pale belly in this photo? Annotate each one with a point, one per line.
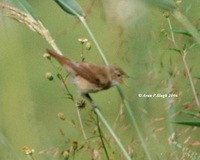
(84, 86)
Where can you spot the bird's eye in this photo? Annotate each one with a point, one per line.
(118, 75)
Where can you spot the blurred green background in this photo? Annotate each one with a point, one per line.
(129, 33)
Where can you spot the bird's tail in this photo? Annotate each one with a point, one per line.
(61, 59)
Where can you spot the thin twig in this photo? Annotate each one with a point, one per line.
(73, 99)
(172, 33)
(77, 110)
(81, 125)
(112, 133)
(184, 54)
(190, 79)
(82, 19)
(101, 136)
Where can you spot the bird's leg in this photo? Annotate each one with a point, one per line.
(87, 96)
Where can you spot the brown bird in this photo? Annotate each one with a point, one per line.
(89, 77)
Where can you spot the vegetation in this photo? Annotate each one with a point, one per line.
(154, 115)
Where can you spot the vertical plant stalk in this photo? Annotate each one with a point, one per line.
(81, 125)
(184, 59)
(73, 99)
(113, 134)
(172, 33)
(77, 109)
(30, 157)
(82, 19)
(190, 78)
(134, 123)
(101, 136)
(170, 105)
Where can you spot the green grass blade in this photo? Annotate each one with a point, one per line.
(188, 112)
(163, 4)
(71, 7)
(192, 124)
(187, 24)
(25, 6)
(188, 8)
(186, 33)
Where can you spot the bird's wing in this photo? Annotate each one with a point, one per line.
(93, 73)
